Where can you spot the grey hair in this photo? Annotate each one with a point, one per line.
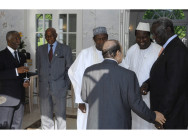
(163, 23)
(9, 35)
(111, 52)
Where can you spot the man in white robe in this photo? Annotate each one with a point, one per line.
(140, 58)
(86, 58)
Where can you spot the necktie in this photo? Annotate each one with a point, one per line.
(16, 56)
(161, 51)
(50, 55)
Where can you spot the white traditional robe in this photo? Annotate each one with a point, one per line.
(86, 58)
(140, 61)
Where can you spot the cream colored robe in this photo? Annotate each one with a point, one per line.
(86, 58)
(140, 61)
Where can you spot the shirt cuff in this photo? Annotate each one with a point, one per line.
(16, 72)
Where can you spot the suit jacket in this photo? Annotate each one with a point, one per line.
(54, 75)
(111, 92)
(168, 84)
(11, 86)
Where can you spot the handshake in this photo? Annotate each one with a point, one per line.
(160, 119)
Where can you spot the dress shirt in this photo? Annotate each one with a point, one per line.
(169, 40)
(53, 48)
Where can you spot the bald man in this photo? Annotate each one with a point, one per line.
(53, 62)
(112, 91)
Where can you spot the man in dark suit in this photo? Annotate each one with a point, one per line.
(53, 62)
(12, 92)
(112, 91)
(169, 76)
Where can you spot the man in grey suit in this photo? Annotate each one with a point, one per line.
(53, 62)
(112, 91)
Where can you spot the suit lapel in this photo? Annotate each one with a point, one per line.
(169, 46)
(11, 57)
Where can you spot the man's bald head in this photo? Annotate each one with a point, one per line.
(50, 35)
(110, 48)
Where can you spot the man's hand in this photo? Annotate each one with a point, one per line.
(22, 69)
(159, 118)
(82, 107)
(26, 84)
(144, 89)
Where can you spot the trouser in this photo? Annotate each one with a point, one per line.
(49, 105)
(11, 117)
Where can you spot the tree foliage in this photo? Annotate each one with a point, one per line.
(172, 14)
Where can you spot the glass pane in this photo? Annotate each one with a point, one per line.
(62, 23)
(179, 14)
(72, 23)
(159, 13)
(72, 42)
(48, 21)
(172, 14)
(39, 39)
(62, 38)
(39, 22)
(180, 31)
(148, 14)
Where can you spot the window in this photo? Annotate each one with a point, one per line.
(172, 14)
(39, 20)
(67, 31)
(177, 16)
(43, 21)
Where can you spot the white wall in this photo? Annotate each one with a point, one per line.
(95, 18)
(20, 21)
(10, 20)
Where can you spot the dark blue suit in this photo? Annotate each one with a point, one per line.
(169, 85)
(11, 86)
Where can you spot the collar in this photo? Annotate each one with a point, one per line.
(169, 40)
(54, 44)
(111, 59)
(11, 50)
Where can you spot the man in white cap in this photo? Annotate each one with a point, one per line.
(86, 58)
(140, 58)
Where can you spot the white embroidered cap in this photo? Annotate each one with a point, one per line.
(99, 30)
(143, 26)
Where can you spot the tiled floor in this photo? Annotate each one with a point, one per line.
(32, 117)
